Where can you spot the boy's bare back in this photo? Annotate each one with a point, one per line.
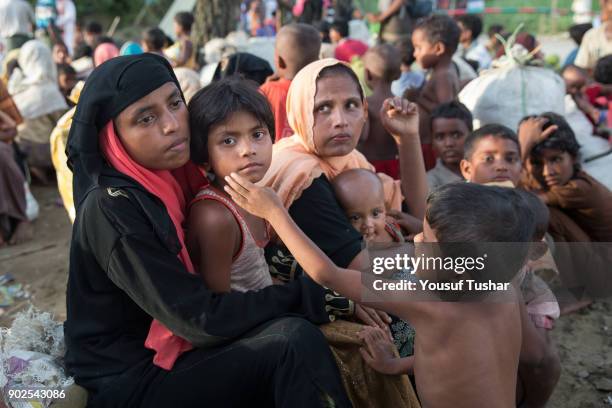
(466, 354)
(441, 87)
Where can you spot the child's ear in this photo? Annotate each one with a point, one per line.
(439, 48)
(368, 75)
(466, 169)
(281, 63)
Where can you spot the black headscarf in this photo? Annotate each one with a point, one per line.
(111, 87)
(246, 65)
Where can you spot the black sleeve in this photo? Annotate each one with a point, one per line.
(154, 278)
(319, 215)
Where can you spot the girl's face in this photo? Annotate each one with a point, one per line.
(553, 168)
(154, 130)
(339, 115)
(240, 144)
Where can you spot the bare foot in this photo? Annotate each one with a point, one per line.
(23, 233)
(574, 307)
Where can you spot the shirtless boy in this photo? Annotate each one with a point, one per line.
(466, 354)
(435, 41)
(382, 67)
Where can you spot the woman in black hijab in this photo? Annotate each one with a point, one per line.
(128, 145)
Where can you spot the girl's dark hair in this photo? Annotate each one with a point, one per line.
(341, 69)
(561, 139)
(216, 102)
(453, 110)
(184, 19)
(494, 130)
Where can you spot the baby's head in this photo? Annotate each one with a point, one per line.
(66, 78)
(434, 38)
(232, 129)
(554, 161)
(451, 123)
(491, 154)
(361, 195)
(382, 65)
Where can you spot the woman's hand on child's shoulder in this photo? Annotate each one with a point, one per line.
(400, 118)
(260, 201)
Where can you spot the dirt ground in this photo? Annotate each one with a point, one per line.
(584, 339)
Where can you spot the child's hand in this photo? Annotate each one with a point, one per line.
(400, 118)
(374, 318)
(259, 201)
(410, 224)
(530, 131)
(378, 352)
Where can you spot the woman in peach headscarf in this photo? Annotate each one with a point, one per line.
(104, 52)
(327, 109)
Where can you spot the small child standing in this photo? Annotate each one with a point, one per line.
(232, 130)
(451, 123)
(382, 67)
(435, 40)
(181, 53)
(153, 40)
(297, 45)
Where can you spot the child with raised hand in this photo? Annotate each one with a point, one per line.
(435, 40)
(550, 147)
(382, 67)
(451, 123)
(232, 129)
(449, 369)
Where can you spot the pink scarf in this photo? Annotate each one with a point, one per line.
(174, 188)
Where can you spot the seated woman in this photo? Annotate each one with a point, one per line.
(14, 225)
(130, 277)
(327, 110)
(36, 93)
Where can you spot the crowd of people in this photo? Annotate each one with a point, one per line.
(222, 227)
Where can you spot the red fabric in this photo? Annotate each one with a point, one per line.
(348, 48)
(174, 189)
(389, 167)
(276, 93)
(429, 156)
